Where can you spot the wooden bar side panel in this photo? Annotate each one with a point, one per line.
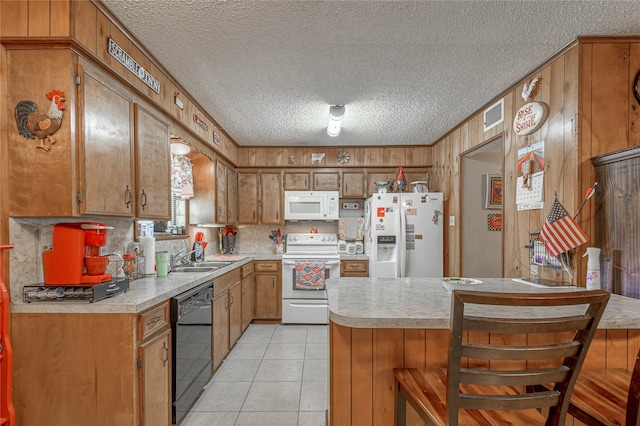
(340, 375)
(387, 354)
(362, 376)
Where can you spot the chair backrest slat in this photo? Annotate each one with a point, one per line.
(534, 325)
(570, 323)
(478, 376)
(522, 352)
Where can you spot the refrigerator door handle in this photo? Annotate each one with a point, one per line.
(401, 244)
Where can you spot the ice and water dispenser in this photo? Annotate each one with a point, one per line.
(387, 248)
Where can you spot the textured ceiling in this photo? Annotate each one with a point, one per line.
(407, 71)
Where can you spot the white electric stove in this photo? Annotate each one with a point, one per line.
(310, 259)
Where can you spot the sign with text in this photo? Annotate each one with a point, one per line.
(529, 118)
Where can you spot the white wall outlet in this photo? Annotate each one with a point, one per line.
(533, 269)
(452, 221)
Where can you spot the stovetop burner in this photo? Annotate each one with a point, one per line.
(92, 293)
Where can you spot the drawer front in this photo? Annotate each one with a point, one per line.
(247, 269)
(153, 320)
(224, 282)
(354, 266)
(267, 266)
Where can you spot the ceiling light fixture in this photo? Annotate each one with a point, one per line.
(178, 146)
(336, 112)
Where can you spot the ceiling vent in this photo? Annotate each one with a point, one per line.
(494, 115)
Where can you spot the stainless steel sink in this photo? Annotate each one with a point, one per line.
(210, 264)
(194, 268)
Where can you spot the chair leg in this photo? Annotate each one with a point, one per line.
(401, 408)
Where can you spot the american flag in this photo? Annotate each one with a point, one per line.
(560, 233)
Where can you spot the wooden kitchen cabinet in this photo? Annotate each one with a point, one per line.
(232, 197)
(296, 181)
(271, 198)
(226, 315)
(268, 280)
(154, 366)
(235, 313)
(106, 166)
(153, 161)
(202, 207)
(93, 369)
(221, 193)
(354, 268)
(326, 181)
(248, 198)
(353, 185)
(248, 294)
(220, 329)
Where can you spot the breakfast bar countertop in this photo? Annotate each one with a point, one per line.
(425, 303)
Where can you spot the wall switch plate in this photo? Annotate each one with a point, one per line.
(351, 206)
(452, 221)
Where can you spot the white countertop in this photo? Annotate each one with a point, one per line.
(143, 293)
(425, 303)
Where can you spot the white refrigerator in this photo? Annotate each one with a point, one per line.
(404, 234)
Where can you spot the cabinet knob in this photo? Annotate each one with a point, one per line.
(166, 354)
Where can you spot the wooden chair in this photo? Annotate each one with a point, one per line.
(607, 397)
(534, 339)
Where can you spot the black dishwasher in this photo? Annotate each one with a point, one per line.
(191, 345)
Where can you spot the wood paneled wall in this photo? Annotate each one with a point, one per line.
(91, 25)
(373, 156)
(4, 164)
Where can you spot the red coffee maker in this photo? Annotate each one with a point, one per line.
(71, 254)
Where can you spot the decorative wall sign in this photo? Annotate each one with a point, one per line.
(494, 222)
(492, 189)
(200, 123)
(317, 158)
(343, 157)
(529, 118)
(216, 138)
(178, 101)
(133, 66)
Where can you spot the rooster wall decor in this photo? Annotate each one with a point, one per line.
(32, 124)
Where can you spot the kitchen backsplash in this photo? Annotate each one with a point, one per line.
(26, 256)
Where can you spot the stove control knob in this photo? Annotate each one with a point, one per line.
(292, 238)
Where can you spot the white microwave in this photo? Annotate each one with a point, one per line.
(311, 205)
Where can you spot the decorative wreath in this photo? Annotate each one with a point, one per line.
(343, 157)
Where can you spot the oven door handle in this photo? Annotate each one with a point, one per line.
(337, 262)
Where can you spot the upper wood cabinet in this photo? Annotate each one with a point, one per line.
(248, 198)
(326, 181)
(221, 193)
(353, 185)
(106, 166)
(202, 205)
(271, 198)
(296, 181)
(153, 165)
(232, 197)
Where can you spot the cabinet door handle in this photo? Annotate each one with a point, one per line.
(346, 187)
(277, 215)
(226, 305)
(166, 354)
(305, 181)
(231, 303)
(254, 215)
(128, 196)
(154, 320)
(144, 199)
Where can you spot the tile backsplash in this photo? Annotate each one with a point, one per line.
(26, 257)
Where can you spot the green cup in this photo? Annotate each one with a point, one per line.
(162, 263)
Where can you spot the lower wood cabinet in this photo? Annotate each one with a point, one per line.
(354, 268)
(226, 326)
(248, 294)
(268, 290)
(92, 369)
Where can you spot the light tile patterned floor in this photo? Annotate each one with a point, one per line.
(276, 375)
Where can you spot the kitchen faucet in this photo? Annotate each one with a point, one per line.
(180, 257)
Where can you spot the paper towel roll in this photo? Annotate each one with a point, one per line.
(149, 249)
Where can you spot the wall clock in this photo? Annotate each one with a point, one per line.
(343, 157)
